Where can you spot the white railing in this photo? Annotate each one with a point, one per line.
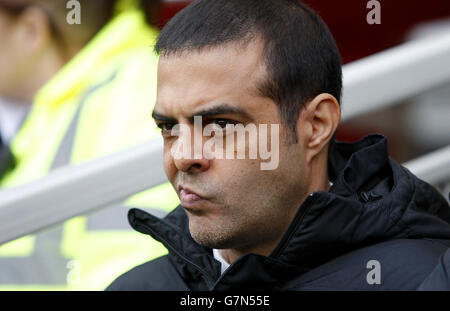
(77, 189)
(433, 167)
(388, 77)
(369, 84)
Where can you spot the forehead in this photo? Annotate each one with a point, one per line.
(228, 73)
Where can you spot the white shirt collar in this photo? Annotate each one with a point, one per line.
(218, 257)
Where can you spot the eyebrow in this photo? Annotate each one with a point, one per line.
(223, 108)
(160, 117)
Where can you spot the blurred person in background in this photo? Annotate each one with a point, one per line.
(70, 93)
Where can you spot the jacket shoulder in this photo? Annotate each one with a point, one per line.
(156, 275)
(401, 264)
(439, 278)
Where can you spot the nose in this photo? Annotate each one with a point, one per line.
(193, 166)
(187, 154)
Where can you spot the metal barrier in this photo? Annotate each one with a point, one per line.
(388, 77)
(78, 189)
(400, 73)
(433, 167)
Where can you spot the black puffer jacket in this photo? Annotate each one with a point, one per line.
(376, 210)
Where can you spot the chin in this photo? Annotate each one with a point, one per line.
(211, 235)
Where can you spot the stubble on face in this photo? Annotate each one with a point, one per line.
(249, 208)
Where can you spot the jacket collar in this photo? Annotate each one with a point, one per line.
(373, 199)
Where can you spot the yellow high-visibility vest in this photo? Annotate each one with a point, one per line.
(98, 104)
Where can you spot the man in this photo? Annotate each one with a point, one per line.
(330, 215)
(79, 81)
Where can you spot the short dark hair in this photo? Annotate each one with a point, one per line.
(301, 56)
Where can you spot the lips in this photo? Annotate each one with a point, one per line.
(189, 199)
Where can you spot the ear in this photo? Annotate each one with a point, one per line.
(317, 123)
(34, 29)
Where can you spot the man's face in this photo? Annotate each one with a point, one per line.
(231, 203)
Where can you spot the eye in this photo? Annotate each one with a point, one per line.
(165, 127)
(221, 127)
(222, 123)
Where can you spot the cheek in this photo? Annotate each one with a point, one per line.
(248, 183)
(242, 178)
(169, 166)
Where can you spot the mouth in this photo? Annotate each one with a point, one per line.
(189, 199)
